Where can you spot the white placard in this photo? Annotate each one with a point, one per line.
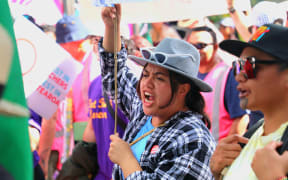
(48, 70)
(39, 54)
(53, 90)
(160, 10)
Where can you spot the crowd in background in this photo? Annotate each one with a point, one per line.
(91, 112)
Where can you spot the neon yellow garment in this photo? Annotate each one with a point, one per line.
(241, 168)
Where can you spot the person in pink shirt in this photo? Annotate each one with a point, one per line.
(72, 113)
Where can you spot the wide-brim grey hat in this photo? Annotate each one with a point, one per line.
(182, 58)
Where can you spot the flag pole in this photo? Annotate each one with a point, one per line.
(115, 70)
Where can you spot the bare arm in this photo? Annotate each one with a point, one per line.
(119, 152)
(239, 20)
(88, 135)
(46, 140)
(239, 125)
(108, 16)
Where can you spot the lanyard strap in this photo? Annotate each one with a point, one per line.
(141, 137)
(144, 135)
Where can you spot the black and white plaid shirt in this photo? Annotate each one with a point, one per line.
(185, 144)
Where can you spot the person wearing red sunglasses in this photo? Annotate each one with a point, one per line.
(222, 105)
(262, 74)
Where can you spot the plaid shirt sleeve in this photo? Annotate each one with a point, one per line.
(185, 149)
(126, 80)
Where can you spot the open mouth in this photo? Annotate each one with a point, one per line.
(148, 97)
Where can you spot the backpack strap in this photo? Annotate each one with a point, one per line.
(121, 122)
(253, 128)
(284, 139)
(251, 131)
(284, 146)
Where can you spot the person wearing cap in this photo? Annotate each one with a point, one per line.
(101, 125)
(264, 12)
(222, 105)
(227, 28)
(167, 136)
(71, 35)
(262, 74)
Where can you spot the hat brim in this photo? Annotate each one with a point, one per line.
(236, 47)
(204, 87)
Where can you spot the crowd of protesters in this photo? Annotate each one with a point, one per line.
(196, 100)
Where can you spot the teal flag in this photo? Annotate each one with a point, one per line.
(15, 155)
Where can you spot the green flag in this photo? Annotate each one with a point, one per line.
(15, 156)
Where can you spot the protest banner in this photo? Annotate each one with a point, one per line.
(143, 11)
(39, 54)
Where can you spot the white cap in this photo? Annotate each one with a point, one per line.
(227, 21)
(266, 12)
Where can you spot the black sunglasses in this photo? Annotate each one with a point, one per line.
(248, 65)
(201, 45)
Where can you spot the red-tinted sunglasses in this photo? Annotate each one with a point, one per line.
(248, 65)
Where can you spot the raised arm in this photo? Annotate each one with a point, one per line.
(108, 15)
(126, 81)
(239, 20)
